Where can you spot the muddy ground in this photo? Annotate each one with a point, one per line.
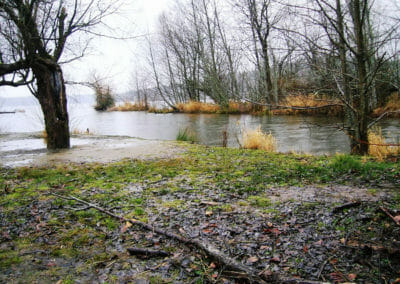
(299, 230)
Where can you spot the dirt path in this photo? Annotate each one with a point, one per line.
(29, 150)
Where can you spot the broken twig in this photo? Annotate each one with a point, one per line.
(396, 220)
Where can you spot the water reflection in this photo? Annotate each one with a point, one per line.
(316, 135)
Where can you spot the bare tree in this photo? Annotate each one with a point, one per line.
(34, 35)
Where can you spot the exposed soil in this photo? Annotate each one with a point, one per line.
(29, 150)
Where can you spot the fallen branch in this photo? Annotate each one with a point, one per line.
(346, 206)
(396, 220)
(223, 259)
(147, 253)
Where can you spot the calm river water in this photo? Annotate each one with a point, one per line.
(315, 135)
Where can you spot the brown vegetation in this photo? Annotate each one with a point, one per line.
(309, 105)
(392, 107)
(128, 106)
(256, 139)
(379, 147)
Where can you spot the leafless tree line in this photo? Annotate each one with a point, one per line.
(262, 50)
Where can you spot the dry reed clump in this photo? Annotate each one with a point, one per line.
(379, 147)
(256, 139)
(311, 101)
(76, 131)
(197, 107)
(393, 104)
(153, 109)
(128, 106)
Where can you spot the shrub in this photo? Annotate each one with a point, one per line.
(256, 139)
(104, 97)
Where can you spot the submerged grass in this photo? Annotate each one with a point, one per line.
(187, 135)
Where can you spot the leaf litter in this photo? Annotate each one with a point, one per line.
(288, 231)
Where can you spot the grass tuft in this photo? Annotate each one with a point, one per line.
(256, 139)
(186, 135)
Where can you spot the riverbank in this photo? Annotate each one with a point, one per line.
(311, 105)
(284, 216)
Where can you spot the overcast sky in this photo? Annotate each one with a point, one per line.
(115, 59)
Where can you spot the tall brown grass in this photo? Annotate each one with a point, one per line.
(379, 147)
(256, 139)
(316, 105)
(128, 106)
(197, 107)
(393, 104)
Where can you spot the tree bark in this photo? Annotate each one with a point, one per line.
(53, 101)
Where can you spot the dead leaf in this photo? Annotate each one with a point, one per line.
(336, 276)
(207, 231)
(269, 224)
(126, 227)
(213, 265)
(252, 259)
(276, 258)
(397, 218)
(209, 213)
(276, 231)
(352, 276)
(215, 275)
(305, 249)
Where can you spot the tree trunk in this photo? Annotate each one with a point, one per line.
(53, 101)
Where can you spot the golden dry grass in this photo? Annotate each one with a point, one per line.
(154, 109)
(309, 101)
(76, 131)
(379, 147)
(256, 139)
(393, 104)
(128, 106)
(197, 107)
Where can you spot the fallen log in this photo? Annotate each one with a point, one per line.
(244, 272)
(346, 206)
(147, 253)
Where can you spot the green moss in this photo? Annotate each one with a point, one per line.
(259, 201)
(9, 258)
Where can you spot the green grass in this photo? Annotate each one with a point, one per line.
(244, 172)
(186, 135)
